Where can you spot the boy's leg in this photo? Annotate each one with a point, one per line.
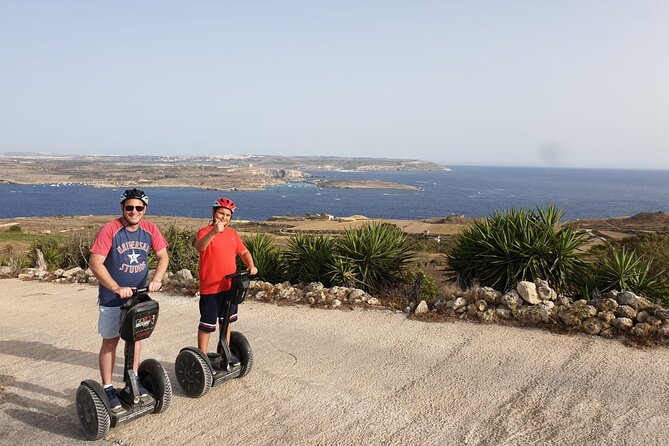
(233, 318)
(208, 316)
(203, 340)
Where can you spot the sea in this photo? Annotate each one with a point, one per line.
(463, 191)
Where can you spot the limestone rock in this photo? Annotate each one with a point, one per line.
(528, 291)
(592, 325)
(422, 308)
(623, 323)
(489, 295)
(626, 311)
(605, 304)
(544, 291)
(511, 299)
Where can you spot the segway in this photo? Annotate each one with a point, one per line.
(138, 319)
(197, 371)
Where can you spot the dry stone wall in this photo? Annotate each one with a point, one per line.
(530, 303)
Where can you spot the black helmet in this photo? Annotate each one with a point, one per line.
(135, 193)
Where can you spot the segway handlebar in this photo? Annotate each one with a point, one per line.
(240, 273)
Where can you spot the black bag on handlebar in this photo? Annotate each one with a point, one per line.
(238, 289)
(139, 318)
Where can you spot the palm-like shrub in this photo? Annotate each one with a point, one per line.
(378, 254)
(518, 245)
(267, 258)
(624, 270)
(308, 257)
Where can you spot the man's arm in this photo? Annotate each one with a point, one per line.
(96, 263)
(163, 262)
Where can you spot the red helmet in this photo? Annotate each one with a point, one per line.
(224, 203)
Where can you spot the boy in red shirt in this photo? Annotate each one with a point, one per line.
(219, 247)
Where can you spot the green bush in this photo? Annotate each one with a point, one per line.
(519, 245)
(14, 228)
(267, 258)
(62, 252)
(378, 254)
(10, 257)
(307, 259)
(429, 288)
(76, 251)
(182, 250)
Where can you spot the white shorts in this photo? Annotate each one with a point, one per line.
(109, 322)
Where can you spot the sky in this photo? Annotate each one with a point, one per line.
(518, 83)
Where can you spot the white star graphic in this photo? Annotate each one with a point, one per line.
(133, 257)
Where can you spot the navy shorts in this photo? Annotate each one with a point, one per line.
(212, 307)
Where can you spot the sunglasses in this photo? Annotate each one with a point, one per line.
(129, 208)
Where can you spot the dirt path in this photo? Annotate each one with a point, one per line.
(336, 378)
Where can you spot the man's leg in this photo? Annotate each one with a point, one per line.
(138, 352)
(107, 358)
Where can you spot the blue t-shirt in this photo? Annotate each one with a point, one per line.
(127, 256)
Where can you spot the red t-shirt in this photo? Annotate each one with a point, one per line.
(218, 259)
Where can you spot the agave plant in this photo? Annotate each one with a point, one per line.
(626, 271)
(308, 257)
(518, 245)
(378, 254)
(267, 258)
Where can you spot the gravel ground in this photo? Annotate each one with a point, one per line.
(331, 377)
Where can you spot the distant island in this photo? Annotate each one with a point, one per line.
(223, 172)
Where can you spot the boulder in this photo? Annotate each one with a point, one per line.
(623, 323)
(511, 299)
(634, 301)
(643, 330)
(489, 295)
(528, 292)
(626, 311)
(544, 291)
(592, 325)
(607, 316)
(605, 304)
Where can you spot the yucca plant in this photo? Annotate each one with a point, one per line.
(267, 257)
(307, 258)
(518, 245)
(378, 254)
(341, 272)
(624, 270)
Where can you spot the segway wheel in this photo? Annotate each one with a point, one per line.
(240, 347)
(193, 373)
(154, 378)
(93, 414)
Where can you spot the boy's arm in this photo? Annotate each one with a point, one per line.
(163, 261)
(204, 241)
(248, 261)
